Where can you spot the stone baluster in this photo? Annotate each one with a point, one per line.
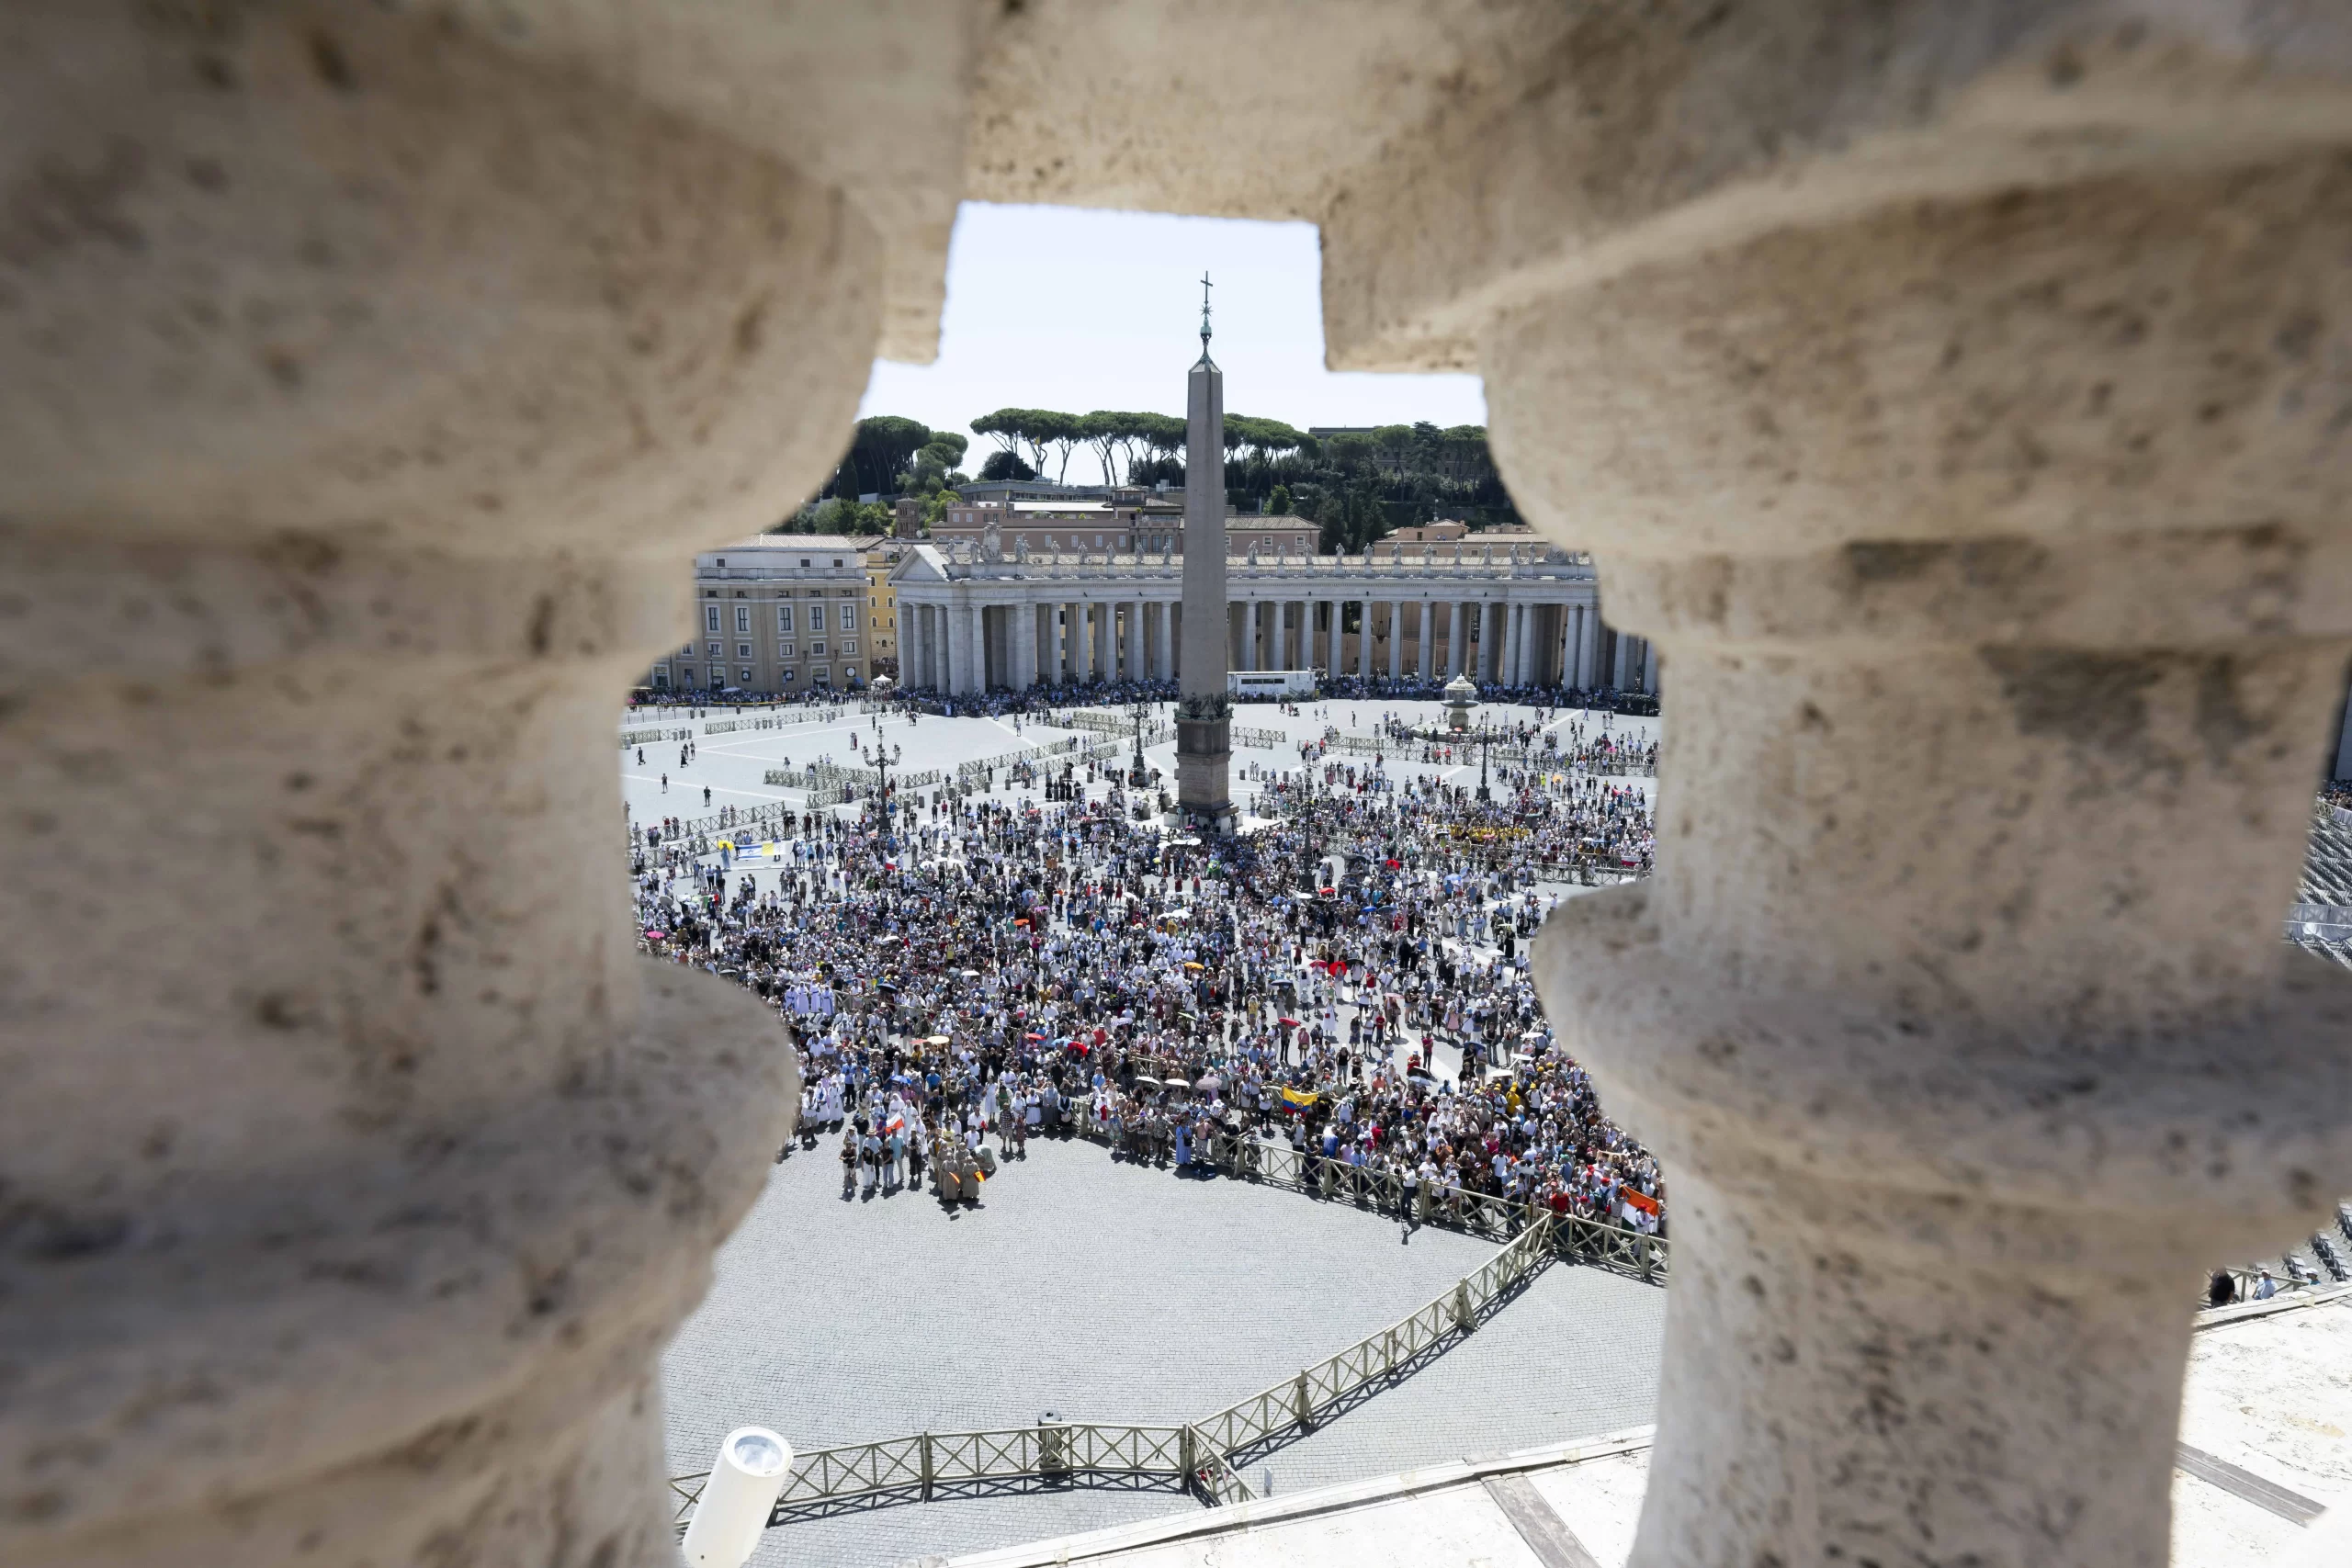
(359, 428)
(2005, 565)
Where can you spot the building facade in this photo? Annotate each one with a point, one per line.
(881, 557)
(977, 618)
(784, 613)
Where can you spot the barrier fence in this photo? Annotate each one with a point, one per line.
(1199, 1457)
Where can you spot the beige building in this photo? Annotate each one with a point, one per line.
(1446, 529)
(882, 603)
(786, 613)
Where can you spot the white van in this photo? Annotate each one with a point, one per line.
(1269, 683)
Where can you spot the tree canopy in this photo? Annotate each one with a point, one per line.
(1360, 484)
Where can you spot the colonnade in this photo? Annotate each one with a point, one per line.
(995, 628)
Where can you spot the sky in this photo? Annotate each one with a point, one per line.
(1075, 308)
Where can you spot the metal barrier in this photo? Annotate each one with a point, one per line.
(1597, 1243)
(1199, 1457)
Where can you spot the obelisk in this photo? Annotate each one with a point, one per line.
(1204, 714)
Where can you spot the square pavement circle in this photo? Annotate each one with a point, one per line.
(1108, 1292)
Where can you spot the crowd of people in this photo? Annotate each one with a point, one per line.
(1349, 980)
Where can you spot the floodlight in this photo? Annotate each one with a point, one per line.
(745, 1479)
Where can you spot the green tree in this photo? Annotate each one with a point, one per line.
(878, 452)
(1279, 503)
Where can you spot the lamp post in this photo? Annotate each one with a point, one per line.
(884, 756)
(1142, 710)
(1307, 879)
(1485, 741)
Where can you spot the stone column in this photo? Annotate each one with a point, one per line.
(1164, 659)
(2009, 584)
(1396, 639)
(1514, 642)
(368, 392)
(959, 649)
(1135, 660)
(1364, 641)
(1024, 645)
(1335, 647)
(1425, 647)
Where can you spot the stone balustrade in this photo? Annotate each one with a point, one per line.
(1953, 389)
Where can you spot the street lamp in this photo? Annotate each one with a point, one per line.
(1142, 710)
(886, 756)
(1485, 741)
(1307, 880)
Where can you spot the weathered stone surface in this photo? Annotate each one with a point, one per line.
(362, 382)
(1999, 562)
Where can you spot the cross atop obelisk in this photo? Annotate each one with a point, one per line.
(1204, 715)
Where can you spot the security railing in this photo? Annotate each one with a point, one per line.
(1199, 1457)
(1596, 1243)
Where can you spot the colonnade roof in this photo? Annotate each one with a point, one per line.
(1350, 574)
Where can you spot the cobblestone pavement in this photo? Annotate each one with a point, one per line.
(1120, 1294)
(733, 766)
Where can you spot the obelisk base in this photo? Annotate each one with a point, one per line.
(1204, 762)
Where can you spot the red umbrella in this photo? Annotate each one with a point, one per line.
(1287, 1022)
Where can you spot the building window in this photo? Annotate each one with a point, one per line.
(815, 617)
(816, 651)
(848, 645)
(787, 650)
(661, 680)
(742, 650)
(710, 618)
(784, 619)
(722, 560)
(714, 652)
(821, 676)
(687, 675)
(742, 619)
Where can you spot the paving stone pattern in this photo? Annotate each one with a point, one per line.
(1114, 1292)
